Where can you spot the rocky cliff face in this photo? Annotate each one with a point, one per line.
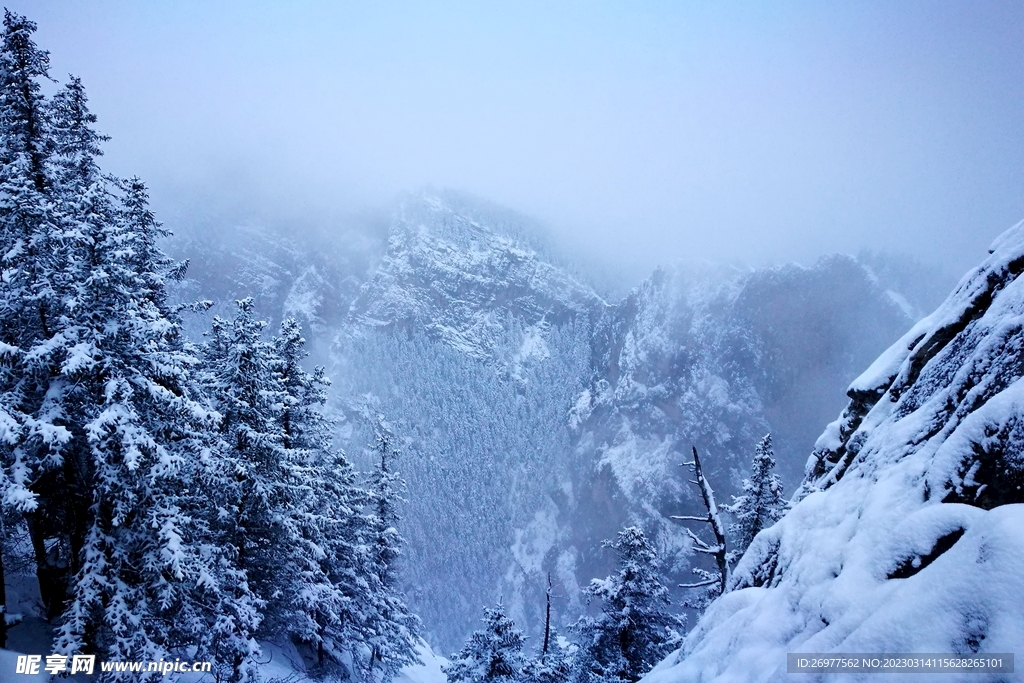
(451, 273)
(907, 534)
(307, 277)
(536, 417)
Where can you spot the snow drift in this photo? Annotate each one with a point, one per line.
(908, 532)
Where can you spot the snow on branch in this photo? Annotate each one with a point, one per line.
(714, 519)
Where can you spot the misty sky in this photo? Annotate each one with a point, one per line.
(650, 132)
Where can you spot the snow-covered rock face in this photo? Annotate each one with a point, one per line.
(907, 535)
(717, 361)
(288, 275)
(462, 282)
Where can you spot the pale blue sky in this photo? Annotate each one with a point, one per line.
(650, 132)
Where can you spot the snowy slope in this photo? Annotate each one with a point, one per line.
(908, 533)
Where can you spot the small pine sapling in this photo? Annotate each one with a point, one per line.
(494, 654)
(761, 504)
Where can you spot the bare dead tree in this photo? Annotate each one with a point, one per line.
(713, 518)
(547, 620)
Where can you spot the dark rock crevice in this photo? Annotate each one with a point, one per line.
(912, 565)
(992, 476)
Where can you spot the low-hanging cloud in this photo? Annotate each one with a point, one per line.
(741, 131)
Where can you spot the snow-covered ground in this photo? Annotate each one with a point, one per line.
(8, 666)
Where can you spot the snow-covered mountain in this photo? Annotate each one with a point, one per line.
(907, 534)
(310, 277)
(536, 416)
(715, 360)
(448, 272)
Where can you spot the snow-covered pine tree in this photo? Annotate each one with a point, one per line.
(634, 630)
(96, 289)
(148, 580)
(258, 520)
(386, 488)
(154, 268)
(553, 665)
(762, 503)
(391, 628)
(494, 654)
(33, 436)
(325, 600)
(290, 507)
(75, 144)
(103, 429)
(26, 221)
(102, 422)
(25, 126)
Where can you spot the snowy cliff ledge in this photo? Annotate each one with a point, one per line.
(908, 533)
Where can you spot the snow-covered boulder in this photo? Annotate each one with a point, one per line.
(908, 533)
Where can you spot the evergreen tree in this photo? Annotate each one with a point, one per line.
(386, 488)
(174, 504)
(762, 503)
(391, 628)
(149, 579)
(291, 510)
(104, 423)
(30, 316)
(634, 631)
(26, 144)
(75, 144)
(263, 482)
(152, 266)
(325, 597)
(494, 654)
(26, 222)
(555, 664)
